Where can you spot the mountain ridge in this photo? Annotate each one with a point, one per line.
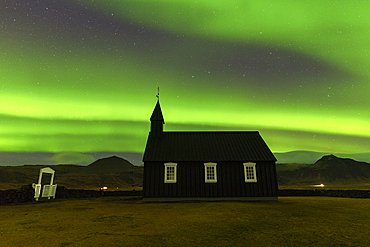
(329, 169)
(310, 157)
(116, 172)
(110, 164)
(112, 172)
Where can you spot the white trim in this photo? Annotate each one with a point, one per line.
(168, 165)
(214, 166)
(252, 168)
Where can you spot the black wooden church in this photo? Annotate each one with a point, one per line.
(232, 165)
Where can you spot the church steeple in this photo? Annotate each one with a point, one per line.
(157, 120)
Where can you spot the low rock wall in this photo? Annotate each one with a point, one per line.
(26, 194)
(330, 193)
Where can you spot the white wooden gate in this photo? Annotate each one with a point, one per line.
(49, 190)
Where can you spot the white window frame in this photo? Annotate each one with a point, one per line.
(248, 166)
(166, 165)
(210, 164)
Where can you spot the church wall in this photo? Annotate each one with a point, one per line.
(190, 181)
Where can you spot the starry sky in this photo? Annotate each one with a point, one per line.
(80, 77)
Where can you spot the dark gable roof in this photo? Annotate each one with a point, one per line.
(207, 147)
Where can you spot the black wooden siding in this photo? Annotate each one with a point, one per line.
(190, 181)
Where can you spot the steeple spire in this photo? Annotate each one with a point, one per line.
(157, 120)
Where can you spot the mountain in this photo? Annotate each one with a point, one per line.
(333, 168)
(111, 164)
(310, 157)
(330, 169)
(112, 172)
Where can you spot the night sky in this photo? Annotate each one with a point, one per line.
(81, 77)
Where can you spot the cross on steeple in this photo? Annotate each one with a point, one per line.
(158, 94)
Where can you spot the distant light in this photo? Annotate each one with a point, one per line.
(318, 185)
(104, 188)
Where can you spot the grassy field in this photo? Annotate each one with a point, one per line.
(115, 221)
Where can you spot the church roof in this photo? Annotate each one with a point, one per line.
(157, 113)
(207, 147)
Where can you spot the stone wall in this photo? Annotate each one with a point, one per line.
(26, 194)
(330, 193)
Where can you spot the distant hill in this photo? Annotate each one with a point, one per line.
(310, 157)
(328, 170)
(116, 172)
(111, 164)
(333, 168)
(112, 172)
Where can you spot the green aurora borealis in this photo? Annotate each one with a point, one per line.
(81, 76)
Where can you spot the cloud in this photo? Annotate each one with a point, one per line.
(72, 158)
